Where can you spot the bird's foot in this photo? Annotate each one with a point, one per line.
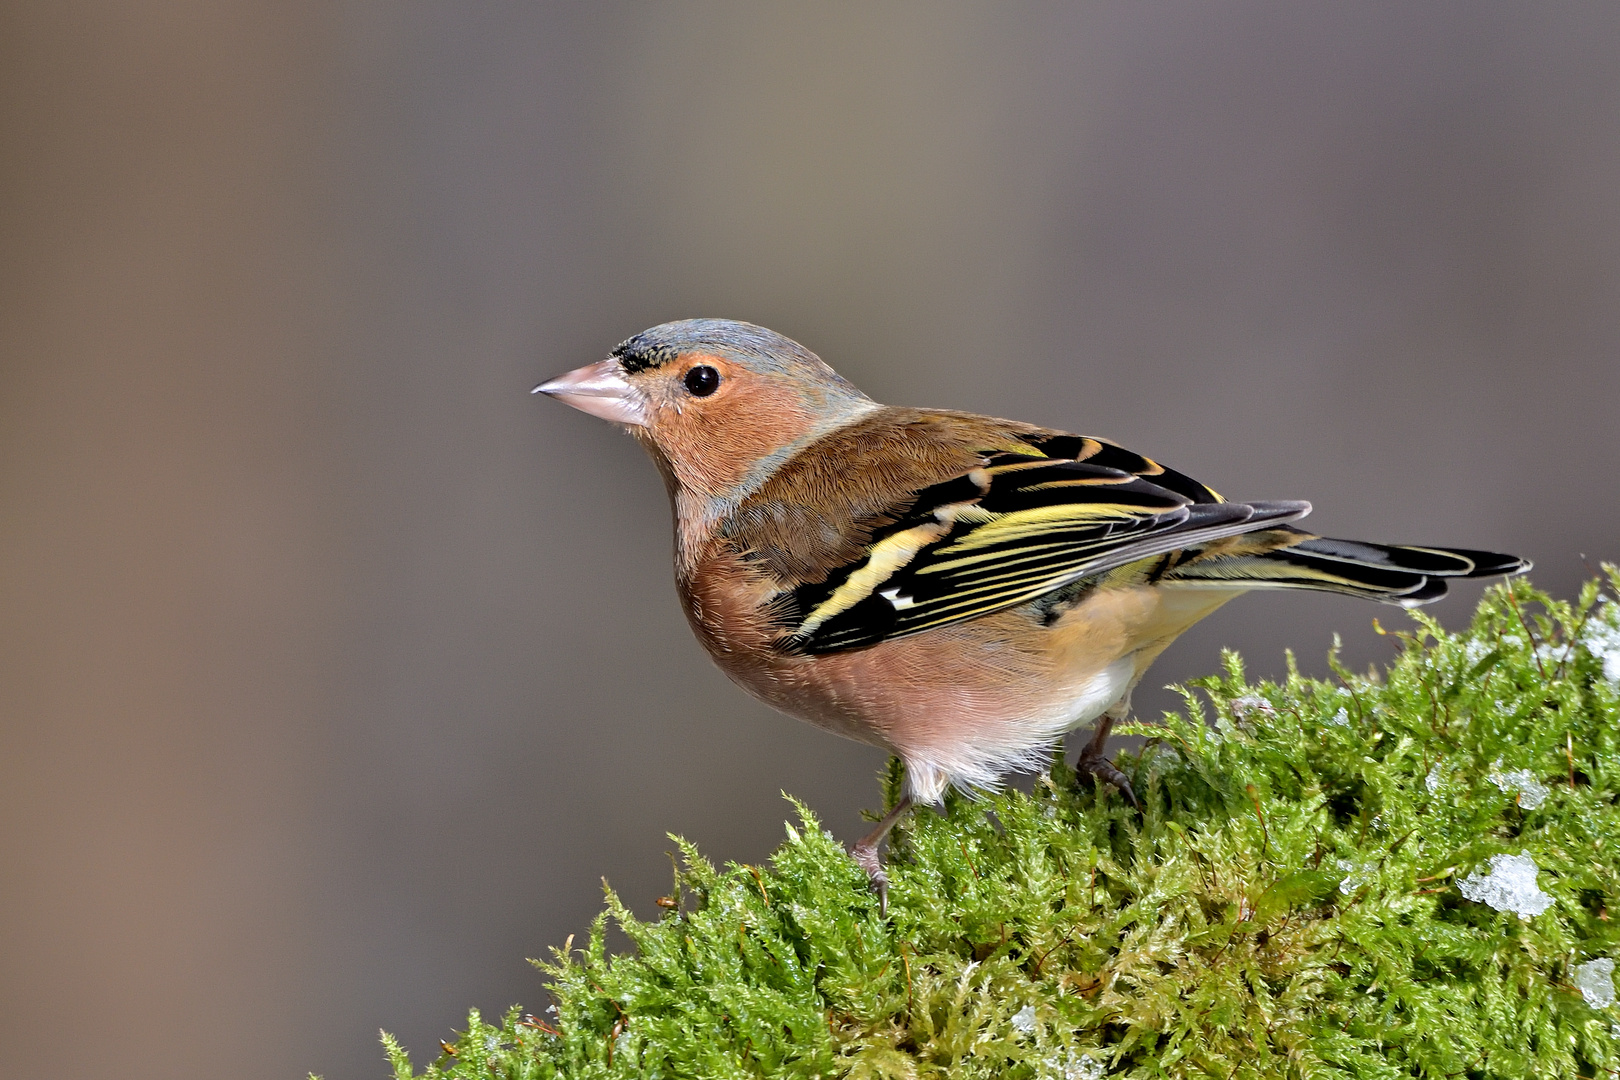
(865, 853)
(1103, 769)
(867, 858)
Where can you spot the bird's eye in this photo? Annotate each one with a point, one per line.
(702, 381)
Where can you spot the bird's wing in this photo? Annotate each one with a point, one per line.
(1019, 526)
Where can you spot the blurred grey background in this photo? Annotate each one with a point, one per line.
(338, 671)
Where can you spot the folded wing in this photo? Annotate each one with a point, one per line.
(1018, 527)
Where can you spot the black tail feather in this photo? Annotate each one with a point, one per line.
(1388, 573)
(1439, 562)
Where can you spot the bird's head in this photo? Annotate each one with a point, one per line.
(719, 404)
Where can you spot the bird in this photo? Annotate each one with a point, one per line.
(959, 590)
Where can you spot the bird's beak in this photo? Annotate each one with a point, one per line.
(601, 390)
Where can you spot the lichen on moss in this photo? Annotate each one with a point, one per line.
(1290, 902)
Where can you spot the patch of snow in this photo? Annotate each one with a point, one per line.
(1432, 781)
(1074, 1067)
(1249, 704)
(1509, 885)
(1024, 1020)
(1532, 792)
(1595, 980)
(1359, 874)
(1602, 639)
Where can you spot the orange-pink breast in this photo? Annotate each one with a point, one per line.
(967, 701)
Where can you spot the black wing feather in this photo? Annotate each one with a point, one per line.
(1011, 531)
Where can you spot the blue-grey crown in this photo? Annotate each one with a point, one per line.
(739, 340)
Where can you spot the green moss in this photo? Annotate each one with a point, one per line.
(1288, 903)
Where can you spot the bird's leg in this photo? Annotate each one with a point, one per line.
(866, 854)
(1092, 759)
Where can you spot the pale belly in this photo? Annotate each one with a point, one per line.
(963, 705)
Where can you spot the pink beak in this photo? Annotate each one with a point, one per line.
(601, 390)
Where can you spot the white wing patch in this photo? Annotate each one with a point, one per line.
(888, 555)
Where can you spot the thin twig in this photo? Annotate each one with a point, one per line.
(1265, 835)
(905, 961)
(1574, 639)
(1530, 635)
(1039, 960)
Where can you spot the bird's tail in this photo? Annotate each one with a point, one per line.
(1287, 558)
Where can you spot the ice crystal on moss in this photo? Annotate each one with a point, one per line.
(1532, 792)
(1509, 885)
(1247, 705)
(1073, 1067)
(1359, 875)
(1602, 640)
(1595, 980)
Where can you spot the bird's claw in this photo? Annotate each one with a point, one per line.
(1103, 769)
(868, 859)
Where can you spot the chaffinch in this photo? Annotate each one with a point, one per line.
(956, 589)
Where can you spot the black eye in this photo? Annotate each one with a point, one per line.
(702, 381)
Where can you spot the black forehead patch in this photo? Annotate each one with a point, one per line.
(638, 354)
